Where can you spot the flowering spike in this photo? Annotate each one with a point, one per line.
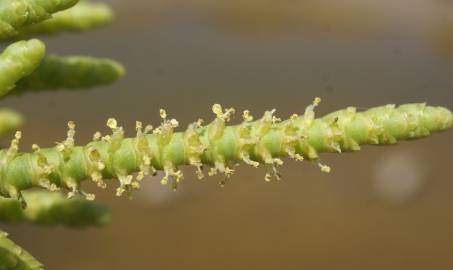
(265, 141)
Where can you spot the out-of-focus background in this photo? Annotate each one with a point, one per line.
(382, 208)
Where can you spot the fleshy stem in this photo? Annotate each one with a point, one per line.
(70, 72)
(15, 14)
(14, 257)
(216, 145)
(83, 16)
(49, 208)
(17, 61)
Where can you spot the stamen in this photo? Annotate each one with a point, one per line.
(324, 168)
(97, 136)
(247, 116)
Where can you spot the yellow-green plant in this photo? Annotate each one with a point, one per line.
(24, 67)
(266, 141)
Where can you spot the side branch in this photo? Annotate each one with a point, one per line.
(82, 17)
(15, 14)
(13, 257)
(70, 72)
(49, 208)
(17, 61)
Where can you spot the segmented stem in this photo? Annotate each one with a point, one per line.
(49, 208)
(13, 257)
(261, 142)
(70, 72)
(15, 14)
(81, 17)
(17, 61)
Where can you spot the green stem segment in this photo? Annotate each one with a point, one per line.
(84, 16)
(264, 141)
(15, 14)
(13, 257)
(70, 72)
(50, 208)
(17, 61)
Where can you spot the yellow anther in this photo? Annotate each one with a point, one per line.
(69, 142)
(247, 116)
(90, 197)
(35, 147)
(217, 110)
(45, 183)
(317, 101)
(229, 172)
(126, 180)
(60, 147)
(148, 129)
(14, 147)
(246, 158)
(146, 160)
(163, 114)
(174, 123)
(138, 126)
(199, 173)
(71, 125)
(135, 185)
(140, 176)
(276, 119)
(277, 161)
(294, 117)
(18, 135)
(228, 113)
(112, 123)
(267, 177)
(268, 116)
(53, 187)
(97, 178)
(199, 123)
(178, 175)
(212, 171)
(164, 180)
(324, 168)
(97, 136)
(292, 154)
(120, 191)
(107, 138)
(72, 193)
(309, 114)
(157, 130)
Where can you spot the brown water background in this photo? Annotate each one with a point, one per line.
(382, 208)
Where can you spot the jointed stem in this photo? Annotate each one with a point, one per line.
(216, 145)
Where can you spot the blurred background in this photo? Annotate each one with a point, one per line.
(383, 208)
